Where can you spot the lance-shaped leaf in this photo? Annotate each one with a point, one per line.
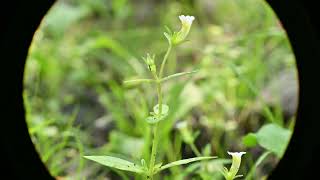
(177, 75)
(117, 163)
(184, 161)
(138, 81)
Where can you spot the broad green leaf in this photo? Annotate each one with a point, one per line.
(117, 163)
(250, 140)
(164, 111)
(185, 161)
(274, 138)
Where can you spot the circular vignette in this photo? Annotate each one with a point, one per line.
(21, 161)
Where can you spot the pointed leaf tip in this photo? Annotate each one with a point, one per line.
(117, 163)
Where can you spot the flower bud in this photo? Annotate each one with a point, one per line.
(149, 60)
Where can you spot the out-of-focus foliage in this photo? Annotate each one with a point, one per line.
(76, 102)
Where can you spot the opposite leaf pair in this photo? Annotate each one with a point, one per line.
(156, 116)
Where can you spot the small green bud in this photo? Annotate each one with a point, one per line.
(149, 60)
(143, 163)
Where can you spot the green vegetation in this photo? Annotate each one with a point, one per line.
(77, 103)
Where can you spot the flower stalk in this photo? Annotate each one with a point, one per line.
(174, 39)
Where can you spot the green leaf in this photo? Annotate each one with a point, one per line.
(143, 163)
(238, 176)
(155, 116)
(250, 140)
(152, 119)
(207, 150)
(257, 163)
(185, 161)
(164, 111)
(117, 163)
(157, 167)
(138, 81)
(168, 37)
(274, 138)
(177, 75)
(168, 30)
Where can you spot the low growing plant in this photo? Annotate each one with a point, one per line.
(160, 113)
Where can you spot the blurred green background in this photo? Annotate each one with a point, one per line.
(243, 98)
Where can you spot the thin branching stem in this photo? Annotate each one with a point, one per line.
(155, 127)
(165, 60)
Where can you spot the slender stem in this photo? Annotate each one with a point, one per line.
(195, 149)
(155, 134)
(159, 91)
(154, 149)
(165, 60)
(155, 128)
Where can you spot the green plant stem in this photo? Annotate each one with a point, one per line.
(155, 134)
(164, 60)
(195, 149)
(159, 91)
(154, 150)
(155, 128)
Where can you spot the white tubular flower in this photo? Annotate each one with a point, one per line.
(186, 22)
(236, 161)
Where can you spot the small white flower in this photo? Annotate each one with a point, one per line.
(186, 20)
(180, 36)
(236, 154)
(236, 161)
